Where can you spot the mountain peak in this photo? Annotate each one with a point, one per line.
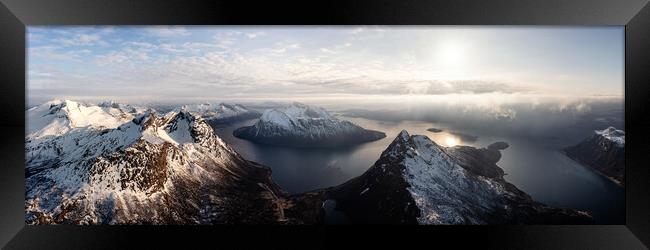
(305, 126)
(303, 111)
(147, 120)
(108, 104)
(611, 131)
(184, 113)
(58, 101)
(221, 113)
(615, 135)
(290, 116)
(403, 135)
(299, 104)
(604, 151)
(149, 170)
(417, 181)
(59, 116)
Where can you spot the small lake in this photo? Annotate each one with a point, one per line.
(537, 167)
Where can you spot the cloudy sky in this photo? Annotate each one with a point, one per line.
(136, 63)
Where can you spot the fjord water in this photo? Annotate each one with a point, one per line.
(538, 167)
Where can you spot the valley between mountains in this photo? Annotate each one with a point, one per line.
(112, 163)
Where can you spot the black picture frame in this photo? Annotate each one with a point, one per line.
(15, 15)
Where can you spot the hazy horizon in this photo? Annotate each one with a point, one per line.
(320, 65)
(514, 121)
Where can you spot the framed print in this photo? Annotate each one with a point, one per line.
(500, 121)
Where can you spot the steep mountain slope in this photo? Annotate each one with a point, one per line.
(604, 151)
(114, 164)
(415, 181)
(47, 123)
(305, 126)
(60, 116)
(148, 170)
(223, 112)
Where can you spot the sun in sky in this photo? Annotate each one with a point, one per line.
(451, 141)
(452, 53)
(320, 62)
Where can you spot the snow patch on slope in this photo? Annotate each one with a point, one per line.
(181, 134)
(221, 111)
(614, 135)
(58, 117)
(305, 121)
(103, 171)
(442, 189)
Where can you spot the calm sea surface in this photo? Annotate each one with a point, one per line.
(539, 168)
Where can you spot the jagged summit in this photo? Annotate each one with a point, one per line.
(403, 135)
(416, 181)
(613, 134)
(149, 169)
(302, 125)
(59, 116)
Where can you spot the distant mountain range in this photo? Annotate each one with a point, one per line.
(223, 112)
(604, 151)
(118, 164)
(300, 125)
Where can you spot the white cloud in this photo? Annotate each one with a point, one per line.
(281, 48)
(167, 31)
(226, 40)
(366, 33)
(82, 40)
(326, 50)
(140, 44)
(356, 31)
(55, 53)
(223, 63)
(127, 56)
(253, 35)
(111, 58)
(293, 46)
(170, 48)
(34, 37)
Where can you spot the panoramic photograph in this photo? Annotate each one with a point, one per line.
(323, 125)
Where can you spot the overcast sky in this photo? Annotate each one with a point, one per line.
(135, 63)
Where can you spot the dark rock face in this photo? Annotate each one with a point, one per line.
(282, 138)
(434, 130)
(380, 195)
(478, 161)
(604, 151)
(407, 185)
(498, 146)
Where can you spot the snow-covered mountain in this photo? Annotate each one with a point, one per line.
(48, 122)
(223, 112)
(604, 151)
(416, 181)
(99, 165)
(126, 108)
(60, 116)
(115, 164)
(305, 126)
